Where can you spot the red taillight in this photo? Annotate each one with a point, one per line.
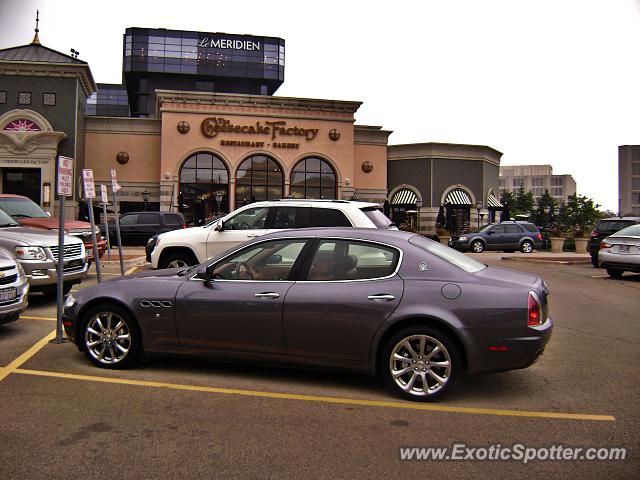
(539, 236)
(184, 225)
(595, 234)
(605, 245)
(534, 317)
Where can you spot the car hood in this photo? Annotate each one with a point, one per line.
(52, 223)
(179, 235)
(34, 236)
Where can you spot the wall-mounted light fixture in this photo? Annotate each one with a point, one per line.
(46, 194)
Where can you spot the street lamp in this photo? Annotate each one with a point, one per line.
(478, 208)
(145, 199)
(547, 212)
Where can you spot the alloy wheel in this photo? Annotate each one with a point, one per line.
(526, 247)
(420, 365)
(108, 338)
(477, 246)
(177, 264)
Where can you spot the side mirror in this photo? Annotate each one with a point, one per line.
(219, 226)
(491, 232)
(48, 213)
(204, 273)
(274, 259)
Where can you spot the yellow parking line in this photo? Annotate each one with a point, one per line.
(13, 366)
(131, 270)
(28, 317)
(322, 399)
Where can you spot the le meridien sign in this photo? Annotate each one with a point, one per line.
(211, 126)
(228, 43)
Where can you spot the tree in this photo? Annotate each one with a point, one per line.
(579, 214)
(524, 202)
(541, 218)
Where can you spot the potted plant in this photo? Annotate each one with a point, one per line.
(558, 236)
(580, 240)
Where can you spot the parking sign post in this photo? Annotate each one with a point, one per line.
(90, 194)
(115, 187)
(105, 200)
(65, 189)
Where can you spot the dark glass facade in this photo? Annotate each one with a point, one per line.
(313, 178)
(258, 178)
(203, 177)
(198, 61)
(111, 100)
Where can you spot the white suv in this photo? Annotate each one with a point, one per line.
(195, 245)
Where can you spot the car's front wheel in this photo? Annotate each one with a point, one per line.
(477, 246)
(615, 273)
(110, 337)
(526, 247)
(420, 363)
(177, 260)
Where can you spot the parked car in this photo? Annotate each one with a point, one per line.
(194, 245)
(136, 228)
(37, 253)
(14, 288)
(506, 236)
(604, 228)
(30, 214)
(368, 300)
(620, 252)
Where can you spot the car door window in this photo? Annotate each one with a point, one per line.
(292, 217)
(148, 219)
(250, 219)
(352, 260)
(512, 229)
(329, 217)
(129, 220)
(266, 261)
(498, 229)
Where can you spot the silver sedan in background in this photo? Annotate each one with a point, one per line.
(620, 252)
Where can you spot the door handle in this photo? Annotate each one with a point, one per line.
(382, 296)
(267, 295)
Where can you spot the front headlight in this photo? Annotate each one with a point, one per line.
(30, 253)
(70, 301)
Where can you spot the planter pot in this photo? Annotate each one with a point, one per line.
(581, 244)
(556, 244)
(444, 239)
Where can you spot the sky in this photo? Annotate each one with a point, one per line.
(542, 81)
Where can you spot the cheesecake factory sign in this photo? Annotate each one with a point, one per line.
(278, 131)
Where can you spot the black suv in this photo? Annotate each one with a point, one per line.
(136, 228)
(506, 236)
(604, 228)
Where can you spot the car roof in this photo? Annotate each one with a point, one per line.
(617, 219)
(357, 233)
(294, 201)
(11, 195)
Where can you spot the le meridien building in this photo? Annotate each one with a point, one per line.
(195, 126)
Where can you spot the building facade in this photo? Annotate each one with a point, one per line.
(629, 180)
(537, 179)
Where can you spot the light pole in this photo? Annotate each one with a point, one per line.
(547, 211)
(478, 208)
(145, 199)
(218, 200)
(418, 207)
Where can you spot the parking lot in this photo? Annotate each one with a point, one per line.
(61, 417)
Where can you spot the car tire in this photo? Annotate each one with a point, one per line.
(615, 273)
(526, 247)
(477, 246)
(420, 365)
(177, 260)
(110, 337)
(594, 261)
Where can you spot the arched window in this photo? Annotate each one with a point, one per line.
(313, 178)
(258, 178)
(204, 188)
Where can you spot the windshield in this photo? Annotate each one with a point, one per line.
(378, 218)
(633, 231)
(22, 207)
(6, 220)
(447, 254)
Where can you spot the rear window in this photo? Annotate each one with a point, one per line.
(633, 231)
(172, 219)
(447, 254)
(379, 219)
(612, 225)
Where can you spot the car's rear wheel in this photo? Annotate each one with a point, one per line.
(526, 247)
(477, 246)
(420, 363)
(177, 260)
(110, 337)
(615, 273)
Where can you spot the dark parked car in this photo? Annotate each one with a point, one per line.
(369, 300)
(604, 228)
(136, 228)
(506, 236)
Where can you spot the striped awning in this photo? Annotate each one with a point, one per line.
(404, 196)
(492, 202)
(458, 197)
